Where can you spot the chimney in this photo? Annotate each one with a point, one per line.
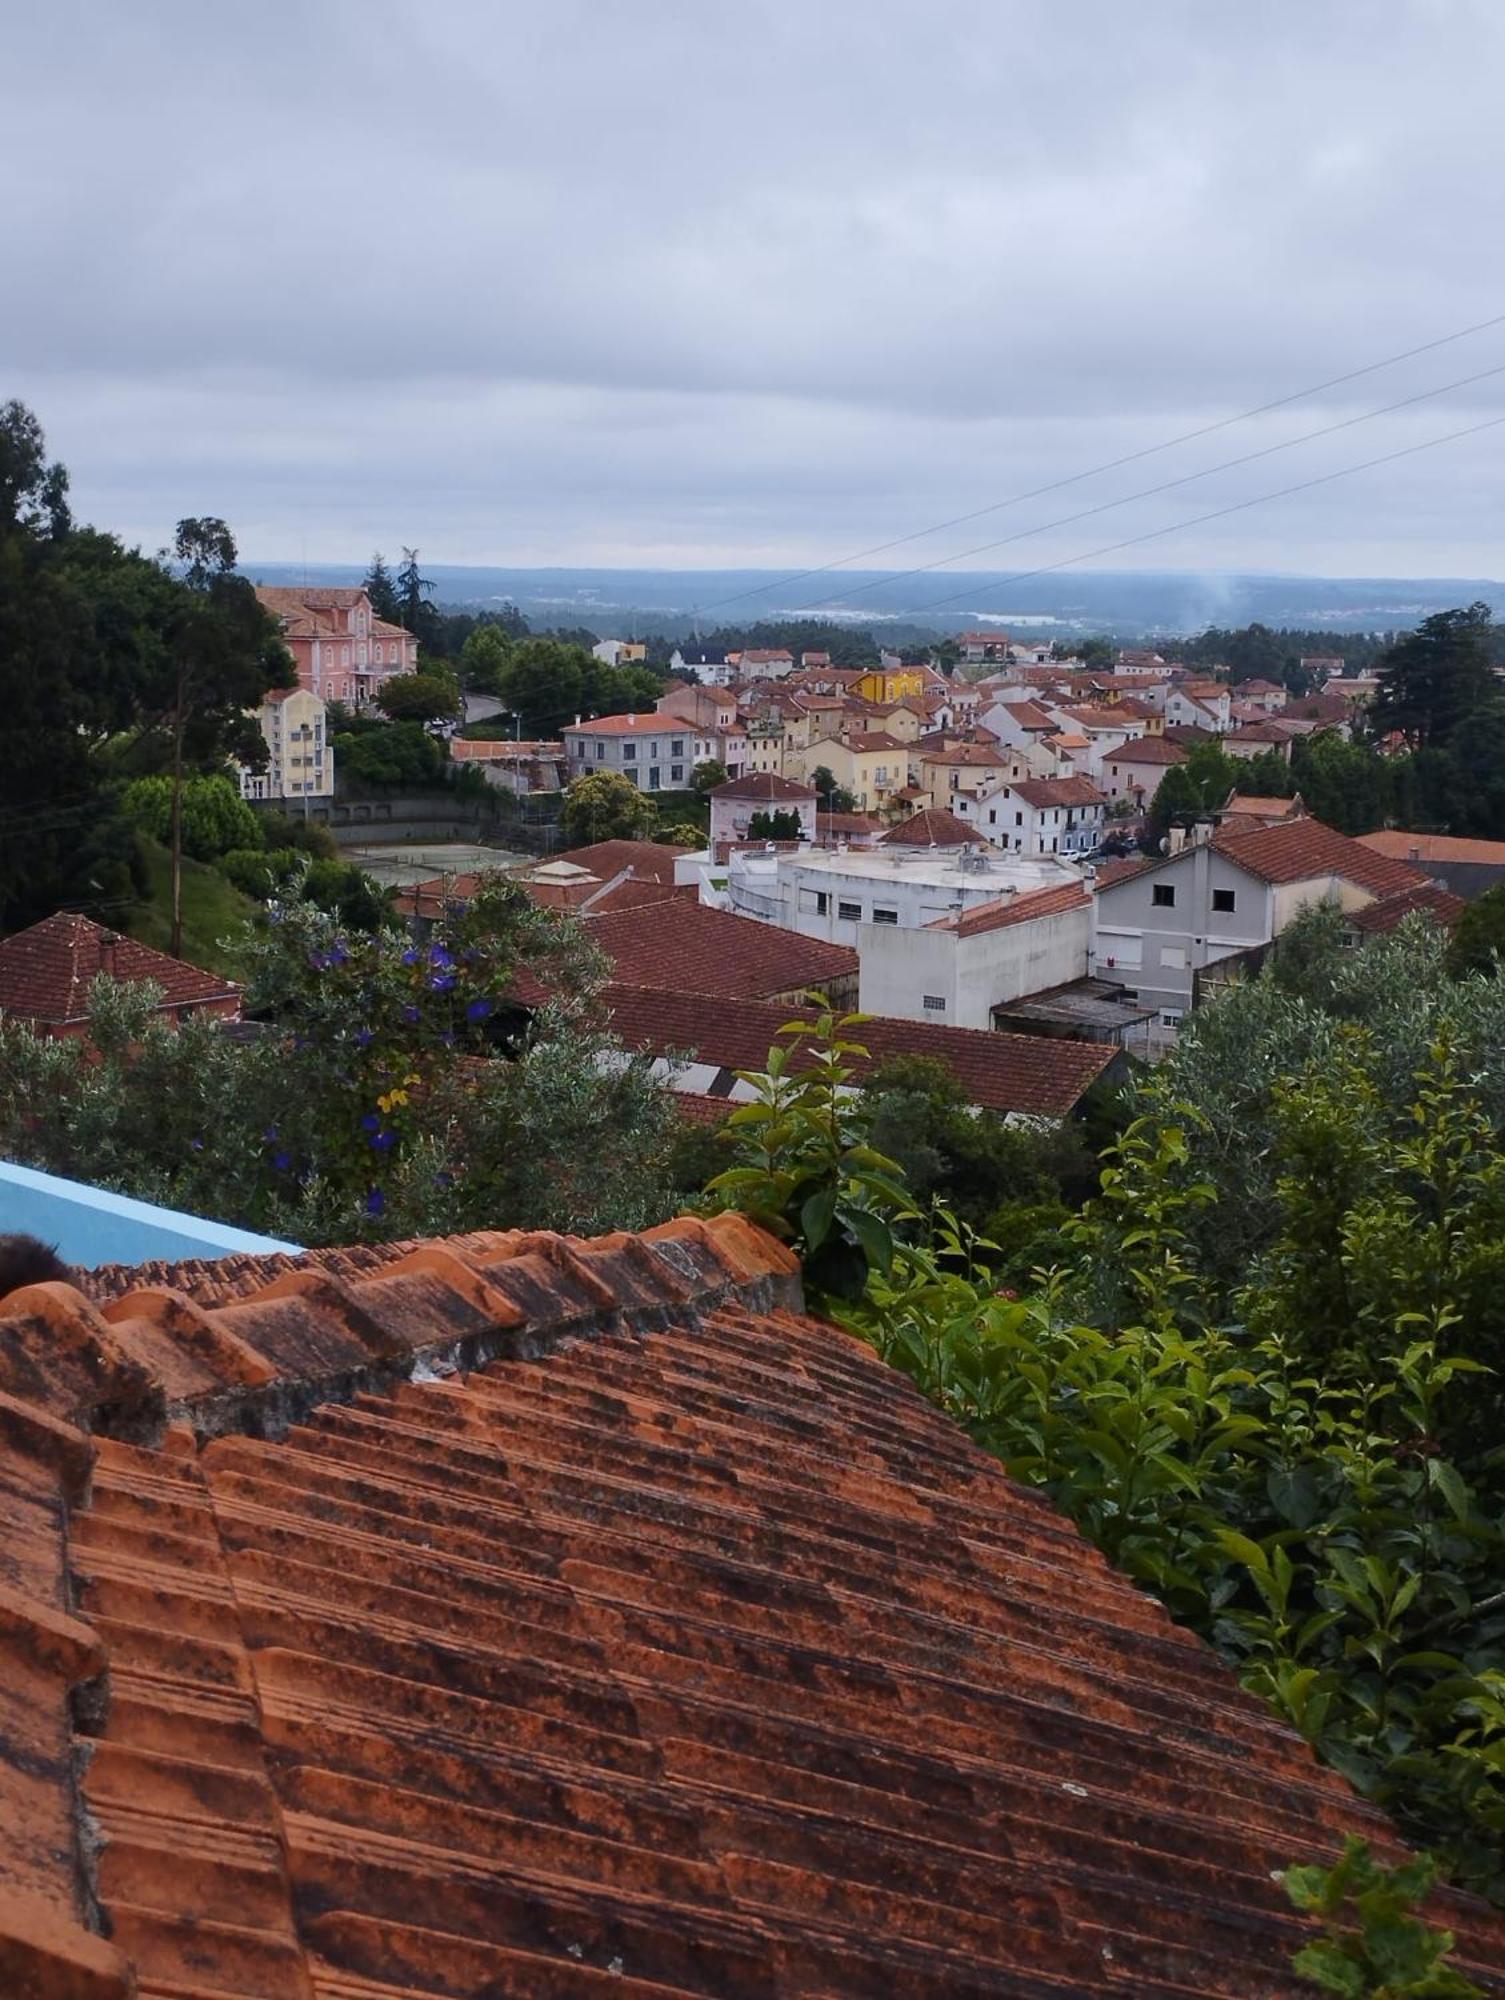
(1413, 854)
(109, 947)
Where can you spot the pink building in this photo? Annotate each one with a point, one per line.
(342, 650)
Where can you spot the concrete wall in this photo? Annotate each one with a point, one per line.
(1156, 951)
(900, 969)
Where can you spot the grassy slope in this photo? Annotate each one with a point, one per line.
(212, 908)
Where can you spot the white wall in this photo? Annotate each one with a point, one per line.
(973, 975)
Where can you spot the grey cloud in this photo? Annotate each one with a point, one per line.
(672, 281)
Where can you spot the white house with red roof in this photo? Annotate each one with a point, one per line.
(657, 753)
(1038, 815)
(1161, 924)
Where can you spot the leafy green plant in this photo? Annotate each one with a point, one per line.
(1303, 1469)
(1373, 1945)
(806, 1169)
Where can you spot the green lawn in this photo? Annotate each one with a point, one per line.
(212, 908)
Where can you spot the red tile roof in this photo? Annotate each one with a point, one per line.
(929, 829)
(962, 753)
(711, 951)
(1148, 750)
(1299, 850)
(609, 857)
(1419, 847)
(1430, 900)
(834, 825)
(1023, 1073)
(872, 739)
(1042, 793)
(46, 972)
(763, 785)
(1269, 731)
(674, 1645)
(651, 724)
(1002, 911)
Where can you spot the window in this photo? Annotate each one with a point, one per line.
(992, 817)
(1223, 899)
(934, 1003)
(1170, 1018)
(676, 774)
(1163, 896)
(884, 916)
(600, 751)
(850, 913)
(653, 778)
(1018, 819)
(677, 747)
(629, 753)
(822, 902)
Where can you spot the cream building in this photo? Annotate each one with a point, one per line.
(300, 763)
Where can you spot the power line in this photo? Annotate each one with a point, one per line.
(1110, 465)
(1167, 485)
(1219, 513)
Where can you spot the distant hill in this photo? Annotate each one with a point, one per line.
(1127, 602)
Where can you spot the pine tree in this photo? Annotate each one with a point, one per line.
(381, 590)
(1438, 678)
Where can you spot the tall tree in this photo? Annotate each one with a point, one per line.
(1438, 677)
(381, 590)
(225, 654)
(414, 590)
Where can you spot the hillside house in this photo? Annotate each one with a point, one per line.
(341, 649)
(300, 763)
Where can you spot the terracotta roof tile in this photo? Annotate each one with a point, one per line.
(763, 785)
(1029, 908)
(1419, 847)
(933, 828)
(1148, 750)
(1042, 793)
(1429, 900)
(1298, 850)
(999, 1072)
(675, 1647)
(606, 858)
(46, 972)
(712, 951)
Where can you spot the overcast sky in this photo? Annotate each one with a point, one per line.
(682, 281)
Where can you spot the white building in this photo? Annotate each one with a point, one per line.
(1160, 924)
(1038, 815)
(657, 753)
(959, 968)
(300, 763)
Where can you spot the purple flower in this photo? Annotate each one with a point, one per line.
(411, 1014)
(282, 1161)
(364, 1038)
(371, 1123)
(440, 957)
(444, 983)
(270, 1134)
(410, 957)
(478, 1010)
(197, 1145)
(383, 1142)
(376, 1201)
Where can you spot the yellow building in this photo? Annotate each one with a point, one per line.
(870, 765)
(300, 763)
(962, 768)
(887, 685)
